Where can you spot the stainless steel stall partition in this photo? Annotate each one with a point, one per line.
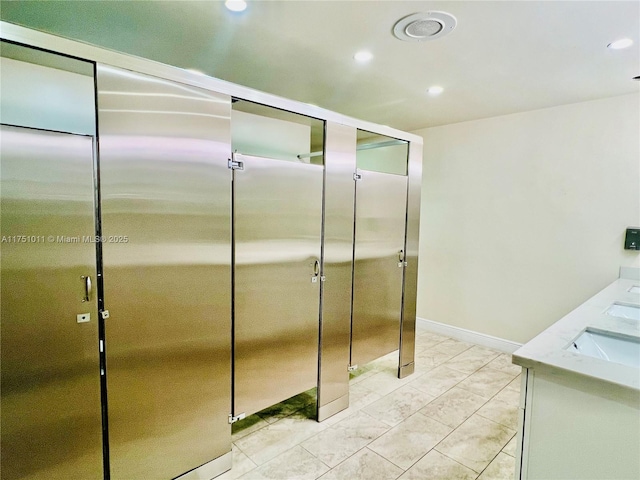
(50, 365)
(335, 325)
(379, 246)
(381, 205)
(51, 419)
(187, 236)
(410, 291)
(165, 217)
(277, 226)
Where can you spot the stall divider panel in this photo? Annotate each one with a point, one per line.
(340, 163)
(412, 246)
(378, 268)
(51, 423)
(165, 187)
(277, 228)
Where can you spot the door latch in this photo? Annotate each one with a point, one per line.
(357, 176)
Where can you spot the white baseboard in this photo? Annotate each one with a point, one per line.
(469, 336)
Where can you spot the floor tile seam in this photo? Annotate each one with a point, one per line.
(489, 398)
(462, 371)
(453, 429)
(505, 446)
(410, 466)
(285, 452)
(506, 387)
(487, 367)
(451, 388)
(233, 444)
(468, 391)
(379, 421)
(503, 426)
(254, 431)
(476, 393)
(441, 423)
(487, 418)
(456, 461)
(455, 354)
(435, 447)
(346, 459)
(403, 470)
(316, 457)
(488, 464)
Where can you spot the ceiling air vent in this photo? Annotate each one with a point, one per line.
(421, 27)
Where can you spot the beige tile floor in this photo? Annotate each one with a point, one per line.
(454, 418)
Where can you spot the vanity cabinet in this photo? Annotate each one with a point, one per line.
(574, 427)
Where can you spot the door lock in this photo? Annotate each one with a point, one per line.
(401, 261)
(316, 271)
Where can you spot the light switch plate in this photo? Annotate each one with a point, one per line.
(83, 317)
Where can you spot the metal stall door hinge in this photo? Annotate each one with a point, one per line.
(233, 419)
(352, 368)
(235, 164)
(104, 314)
(357, 176)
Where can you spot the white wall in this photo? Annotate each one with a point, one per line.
(523, 216)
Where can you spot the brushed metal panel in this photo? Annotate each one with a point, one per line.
(277, 226)
(381, 200)
(340, 163)
(166, 187)
(49, 42)
(408, 335)
(51, 423)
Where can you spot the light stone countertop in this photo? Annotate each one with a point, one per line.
(547, 350)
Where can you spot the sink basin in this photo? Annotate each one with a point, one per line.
(608, 346)
(622, 310)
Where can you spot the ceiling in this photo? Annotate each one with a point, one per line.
(503, 56)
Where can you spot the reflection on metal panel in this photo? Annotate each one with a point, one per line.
(47, 91)
(340, 159)
(278, 216)
(407, 341)
(51, 426)
(166, 217)
(381, 201)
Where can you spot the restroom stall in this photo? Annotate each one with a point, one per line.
(175, 257)
(51, 414)
(380, 204)
(277, 226)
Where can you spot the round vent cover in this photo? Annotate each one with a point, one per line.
(421, 27)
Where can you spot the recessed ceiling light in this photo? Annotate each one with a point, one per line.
(236, 5)
(619, 44)
(363, 56)
(435, 90)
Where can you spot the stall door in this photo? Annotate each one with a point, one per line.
(277, 228)
(51, 424)
(381, 205)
